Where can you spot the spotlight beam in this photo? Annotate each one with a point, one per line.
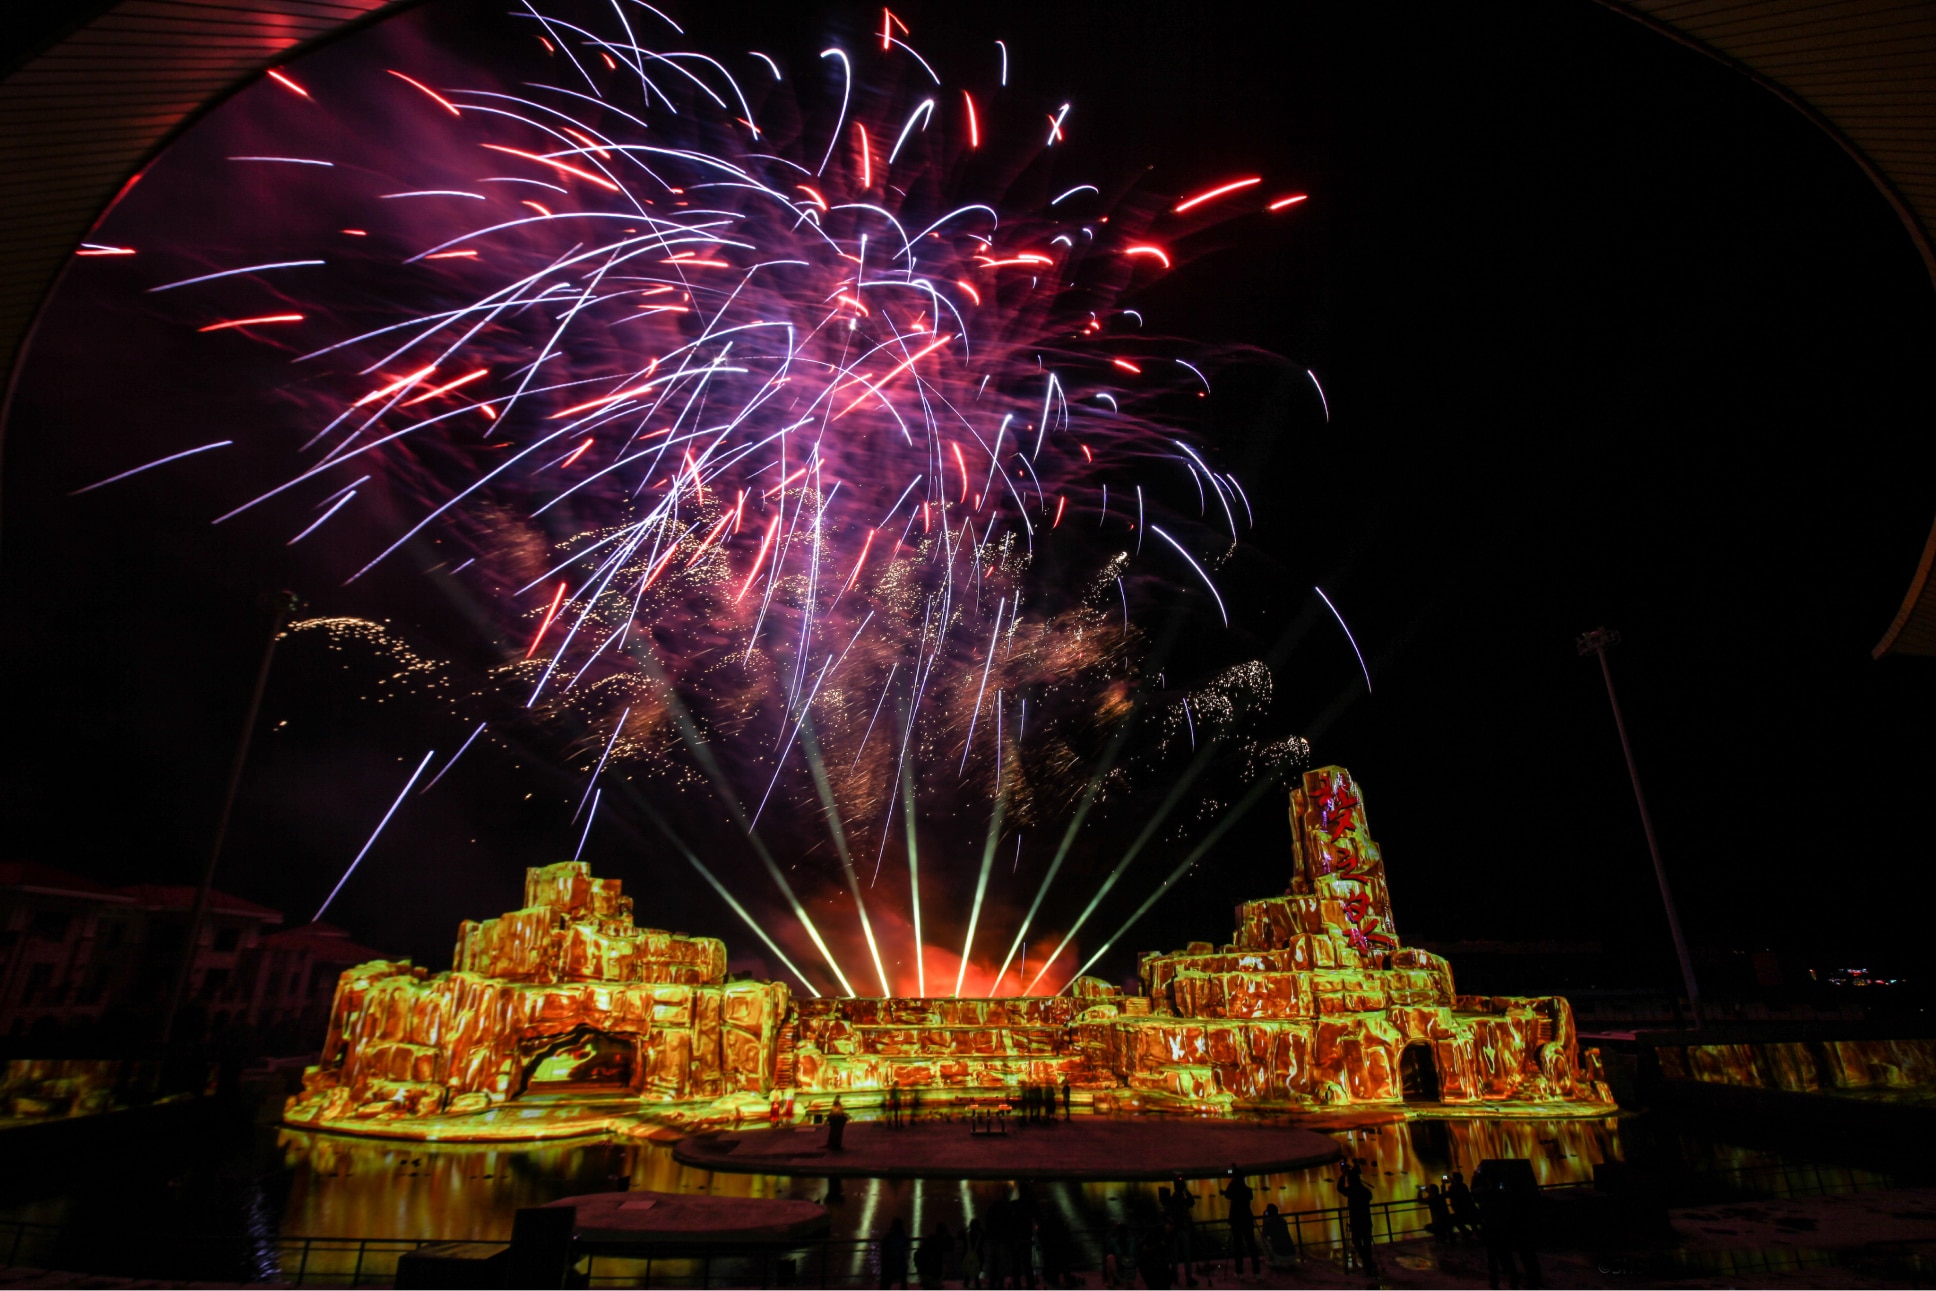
(732, 902)
(689, 735)
(375, 834)
(1089, 798)
(838, 832)
(1257, 791)
(914, 881)
(981, 887)
(1197, 766)
(1283, 646)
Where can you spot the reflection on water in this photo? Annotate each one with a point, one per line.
(375, 1188)
(150, 1207)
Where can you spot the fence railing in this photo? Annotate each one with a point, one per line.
(372, 1261)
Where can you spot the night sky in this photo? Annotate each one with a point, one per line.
(1609, 335)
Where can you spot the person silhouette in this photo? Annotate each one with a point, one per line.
(1357, 1198)
(894, 1256)
(837, 1126)
(1243, 1224)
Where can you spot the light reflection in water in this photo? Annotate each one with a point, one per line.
(376, 1188)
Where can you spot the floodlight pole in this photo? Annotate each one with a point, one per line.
(282, 606)
(1596, 643)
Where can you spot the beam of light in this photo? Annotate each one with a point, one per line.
(400, 384)
(1181, 551)
(1283, 202)
(732, 902)
(981, 888)
(838, 832)
(557, 599)
(590, 816)
(874, 387)
(324, 907)
(1321, 399)
(1257, 791)
(317, 523)
(293, 161)
(771, 65)
(1214, 193)
(149, 466)
(476, 731)
(563, 168)
(766, 544)
(974, 126)
(866, 157)
(1079, 188)
(226, 324)
(102, 249)
(447, 387)
(1198, 765)
(994, 636)
(283, 80)
(859, 562)
(923, 112)
(441, 101)
(1147, 250)
(846, 95)
(1055, 125)
(230, 273)
(1003, 46)
(1347, 636)
(1083, 806)
(696, 746)
(617, 728)
(914, 881)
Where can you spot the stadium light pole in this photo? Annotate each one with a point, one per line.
(1596, 643)
(283, 606)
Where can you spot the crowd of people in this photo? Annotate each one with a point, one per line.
(1035, 1103)
(1013, 1243)
(1500, 1215)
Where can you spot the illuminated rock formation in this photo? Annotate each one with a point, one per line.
(1316, 1002)
(563, 996)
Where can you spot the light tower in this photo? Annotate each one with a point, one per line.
(282, 607)
(1596, 643)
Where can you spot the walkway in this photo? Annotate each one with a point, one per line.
(1088, 1147)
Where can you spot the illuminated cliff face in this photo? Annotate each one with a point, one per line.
(1317, 1000)
(563, 1016)
(565, 996)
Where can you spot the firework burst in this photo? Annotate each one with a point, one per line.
(781, 465)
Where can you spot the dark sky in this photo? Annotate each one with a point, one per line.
(1610, 336)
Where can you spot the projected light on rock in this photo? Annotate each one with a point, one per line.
(1315, 1003)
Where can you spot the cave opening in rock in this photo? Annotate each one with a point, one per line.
(1418, 1073)
(585, 1059)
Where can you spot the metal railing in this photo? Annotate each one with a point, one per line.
(372, 1261)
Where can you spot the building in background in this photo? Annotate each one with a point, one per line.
(294, 981)
(66, 944)
(80, 958)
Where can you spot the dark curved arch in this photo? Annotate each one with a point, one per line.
(1860, 65)
(83, 115)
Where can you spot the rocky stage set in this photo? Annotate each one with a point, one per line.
(565, 1018)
